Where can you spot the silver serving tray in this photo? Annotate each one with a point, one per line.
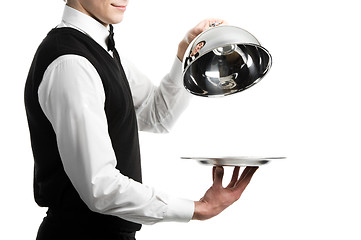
(241, 161)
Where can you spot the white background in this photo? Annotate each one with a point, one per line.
(307, 108)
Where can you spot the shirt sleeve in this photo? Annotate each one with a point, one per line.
(157, 107)
(72, 97)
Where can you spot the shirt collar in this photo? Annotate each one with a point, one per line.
(86, 24)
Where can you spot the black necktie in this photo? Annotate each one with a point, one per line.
(111, 43)
(111, 46)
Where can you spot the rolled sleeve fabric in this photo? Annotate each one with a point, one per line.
(158, 108)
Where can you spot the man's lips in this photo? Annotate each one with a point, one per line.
(120, 7)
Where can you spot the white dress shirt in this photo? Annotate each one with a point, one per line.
(72, 97)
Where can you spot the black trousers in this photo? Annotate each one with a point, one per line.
(58, 229)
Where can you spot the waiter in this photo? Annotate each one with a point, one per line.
(84, 107)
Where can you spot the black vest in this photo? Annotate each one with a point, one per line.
(52, 187)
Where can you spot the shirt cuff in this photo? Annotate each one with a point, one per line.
(176, 73)
(179, 210)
